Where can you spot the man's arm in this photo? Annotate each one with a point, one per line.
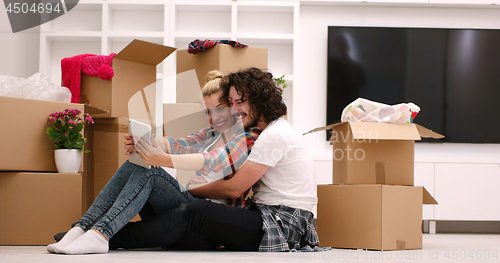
(248, 174)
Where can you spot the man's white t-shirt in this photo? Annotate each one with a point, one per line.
(290, 179)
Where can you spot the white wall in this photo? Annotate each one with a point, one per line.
(19, 52)
(310, 82)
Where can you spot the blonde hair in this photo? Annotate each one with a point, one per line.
(212, 86)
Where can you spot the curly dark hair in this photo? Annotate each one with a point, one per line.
(260, 89)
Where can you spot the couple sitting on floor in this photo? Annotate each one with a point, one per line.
(268, 155)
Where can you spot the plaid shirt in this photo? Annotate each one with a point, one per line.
(286, 228)
(202, 45)
(227, 158)
(193, 143)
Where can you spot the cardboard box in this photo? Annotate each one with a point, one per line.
(222, 57)
(188, 88)
(182, 119)
(107, 153)
(374, 153)
(134, 68)
(377, 217)
(25, 143)
(36, 206)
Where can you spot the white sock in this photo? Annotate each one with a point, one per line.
(90, 243)
(72, 234)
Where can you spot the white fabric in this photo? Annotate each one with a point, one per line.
(89, 243)
(214, 176)
(363, 110)
(69, 237)
(290, 179)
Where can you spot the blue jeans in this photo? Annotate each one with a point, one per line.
(125, 195)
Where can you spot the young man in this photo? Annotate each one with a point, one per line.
(279, 168)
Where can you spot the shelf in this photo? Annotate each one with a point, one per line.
(136, 17)
(136, 34)
(265, 20)
(183, 36)
(72, 36)
(279, 56)
(200, 18)
(263, 39)
(83, 17)
(203, 6)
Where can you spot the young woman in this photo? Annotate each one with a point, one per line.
(132, 186)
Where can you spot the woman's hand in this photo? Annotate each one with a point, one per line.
(129, 144)
(152, 154)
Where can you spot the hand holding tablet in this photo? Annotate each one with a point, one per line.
(142, 130)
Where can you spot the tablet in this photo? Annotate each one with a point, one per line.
(143, 130)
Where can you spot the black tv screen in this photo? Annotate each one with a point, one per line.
(453, 75)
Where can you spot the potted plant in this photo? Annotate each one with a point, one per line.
(66, 132)
(281, 82)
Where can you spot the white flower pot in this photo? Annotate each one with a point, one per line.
(68, 160)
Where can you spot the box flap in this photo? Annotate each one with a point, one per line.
(426, 133)
(384, 131)
(324, 128)
(427, 198)
(188, 87)
(144, 52)
(93, 110)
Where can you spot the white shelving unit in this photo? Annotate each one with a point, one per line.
(408, 3)
(269, 24)
(106, 26)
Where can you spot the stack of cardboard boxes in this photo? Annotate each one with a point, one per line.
(372, 203)
(134, 72)
(35, 201)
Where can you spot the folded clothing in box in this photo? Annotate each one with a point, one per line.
(363, 110)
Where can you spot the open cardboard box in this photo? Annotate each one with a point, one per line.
(221, 57)
(182, 119)
(374, 153)
(25, 143)
(376, 217)
(35, 206)
(134, 68)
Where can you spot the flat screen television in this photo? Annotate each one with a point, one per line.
(453, 75)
